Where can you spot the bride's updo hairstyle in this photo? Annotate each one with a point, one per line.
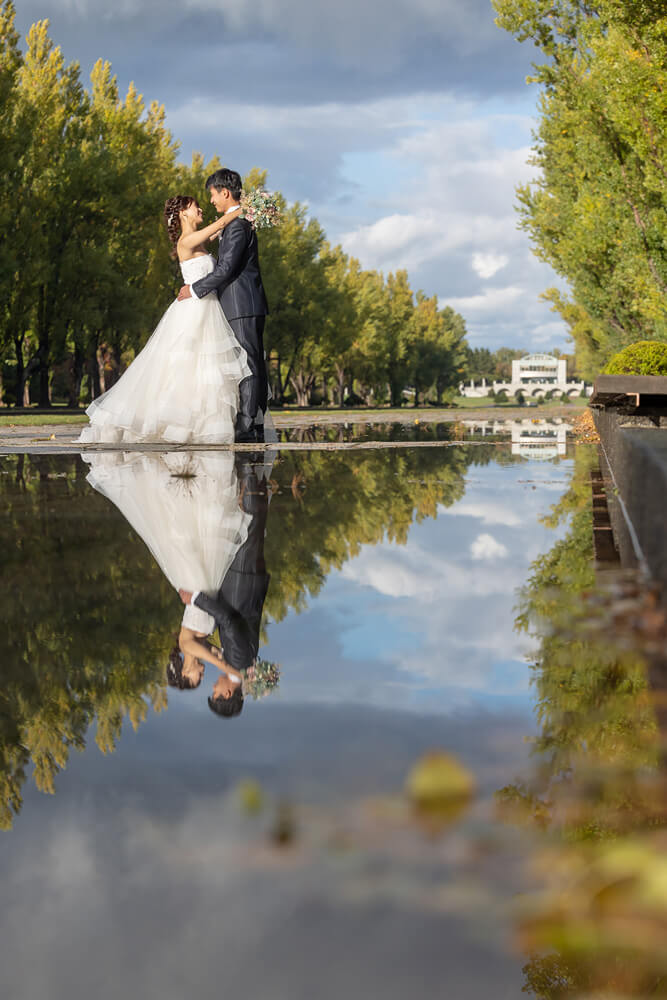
(172, 219)
(175, 676)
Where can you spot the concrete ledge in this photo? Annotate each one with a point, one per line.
(634, 392)
(637, 459)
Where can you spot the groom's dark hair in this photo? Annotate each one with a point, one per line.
(226, 178)
(227, 707)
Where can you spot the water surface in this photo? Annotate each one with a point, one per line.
(277, 852)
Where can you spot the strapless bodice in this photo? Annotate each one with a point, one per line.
(196, 268)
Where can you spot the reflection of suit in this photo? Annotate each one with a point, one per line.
(237, 281)
(238, 605)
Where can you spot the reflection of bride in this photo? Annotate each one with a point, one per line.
(185, 507)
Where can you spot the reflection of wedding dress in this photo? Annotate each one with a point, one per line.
(183, 387)
(185, 507)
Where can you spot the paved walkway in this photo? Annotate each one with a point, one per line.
(61, 438)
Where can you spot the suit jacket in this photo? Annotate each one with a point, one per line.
(236, 278)
(238, 605)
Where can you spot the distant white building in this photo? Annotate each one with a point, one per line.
(534, 376)
(543, 439)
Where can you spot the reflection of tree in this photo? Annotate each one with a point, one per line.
(346, 501)
(88, 623)
(89, 618)
(592, 796)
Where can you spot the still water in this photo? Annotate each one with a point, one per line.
(397, 602)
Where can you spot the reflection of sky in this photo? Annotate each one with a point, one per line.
(429, 624)
(142, 877)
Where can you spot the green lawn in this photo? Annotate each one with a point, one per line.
(55, 416)
(40, 419)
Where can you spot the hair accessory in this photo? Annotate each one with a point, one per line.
(170, 219)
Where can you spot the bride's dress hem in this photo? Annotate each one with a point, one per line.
(183, 386)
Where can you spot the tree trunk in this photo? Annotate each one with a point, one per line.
(23, 387)
(19, 386)
(101, 380)
(340, 384)
(302, 385)
(76, 377)
(20, 468)
(277, 387)
(396, 393)
(43, 349)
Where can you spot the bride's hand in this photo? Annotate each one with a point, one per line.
(223, 221)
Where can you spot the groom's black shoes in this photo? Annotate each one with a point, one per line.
(244, 432)
(244, 429)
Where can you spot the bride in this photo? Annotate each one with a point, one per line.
(183, 387)
(186, 507)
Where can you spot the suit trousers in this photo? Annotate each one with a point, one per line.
(254, 390)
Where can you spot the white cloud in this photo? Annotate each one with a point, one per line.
(403, 174)
(488, 264)
(487, 548)
(487, 511)
(397, 572)
(488, 301)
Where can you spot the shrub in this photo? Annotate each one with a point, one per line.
(646, 357)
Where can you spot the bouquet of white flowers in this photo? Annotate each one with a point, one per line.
(260, 209)
(261, 678)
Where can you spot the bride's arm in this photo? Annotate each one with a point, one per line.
(202, 649)
(200, 236)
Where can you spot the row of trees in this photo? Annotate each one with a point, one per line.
(597, 213)
(85, 268)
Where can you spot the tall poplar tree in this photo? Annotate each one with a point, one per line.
(597, 212)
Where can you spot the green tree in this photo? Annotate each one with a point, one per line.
(398, 334)
(597, 211)
(479, 363)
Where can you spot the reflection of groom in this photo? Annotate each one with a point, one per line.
(237, 281)
(238, 605)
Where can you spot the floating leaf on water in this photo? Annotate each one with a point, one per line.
(251, 796)
(440, 787)
(283, 831)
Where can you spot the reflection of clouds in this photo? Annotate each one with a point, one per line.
(413, 571)
(132, 886)
(432, 619)
(486, 547)
(486, 511)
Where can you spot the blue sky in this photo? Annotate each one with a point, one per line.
(404, 125)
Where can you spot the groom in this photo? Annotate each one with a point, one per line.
(237, 281)
(239, 603)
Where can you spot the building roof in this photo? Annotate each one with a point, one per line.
(540, 357)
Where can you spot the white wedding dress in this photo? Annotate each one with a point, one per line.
(185, 507)
(183, 387)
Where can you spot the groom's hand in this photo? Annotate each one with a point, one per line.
(185, 596)
(184, 293)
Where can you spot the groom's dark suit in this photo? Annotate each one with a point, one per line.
(237, 281)
(238, 605)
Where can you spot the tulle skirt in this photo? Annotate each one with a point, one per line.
(182, 388)
(185, 507)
